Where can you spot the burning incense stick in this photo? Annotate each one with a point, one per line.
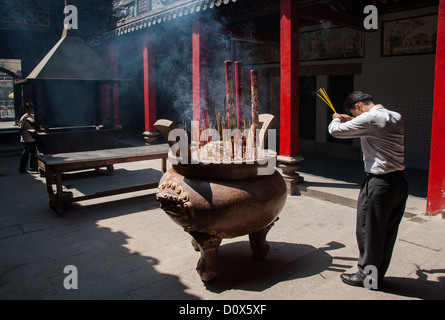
(255, 103)
(239, 95)
(324, 96)
(231, 118)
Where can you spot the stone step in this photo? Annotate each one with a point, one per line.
(346, 194)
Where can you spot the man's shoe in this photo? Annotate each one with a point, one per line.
(354, 279)
(22, 171)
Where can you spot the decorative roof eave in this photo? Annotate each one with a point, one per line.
(173, 11)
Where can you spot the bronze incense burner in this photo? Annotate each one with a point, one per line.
(222, 200)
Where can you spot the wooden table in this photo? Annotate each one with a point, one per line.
(56, 164)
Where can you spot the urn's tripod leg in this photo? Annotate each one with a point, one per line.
(258, 243)
(208, 246)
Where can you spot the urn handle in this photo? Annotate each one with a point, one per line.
(165, 127)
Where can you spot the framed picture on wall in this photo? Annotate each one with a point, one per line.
(416, 35)
(332, 43)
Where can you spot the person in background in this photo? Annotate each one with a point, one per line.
(383, 194)
(29, 144)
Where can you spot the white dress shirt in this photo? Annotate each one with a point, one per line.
(381, 135)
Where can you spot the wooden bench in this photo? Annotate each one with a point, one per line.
(56, 164)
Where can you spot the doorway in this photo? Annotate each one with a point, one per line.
(308, 113)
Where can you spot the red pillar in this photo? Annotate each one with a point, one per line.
(436, 184)
(149, 86)
(200, 71)
(290, 78)
(290, 96)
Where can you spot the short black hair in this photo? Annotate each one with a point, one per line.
(355, 97)
(29, 105)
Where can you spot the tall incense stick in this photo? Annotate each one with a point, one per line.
(239, 95)
(231, 119)
(255, 106)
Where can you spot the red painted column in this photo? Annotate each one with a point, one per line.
(290, 77)
(149, 86)
(290, 95)
(436, 184)
(200, 71)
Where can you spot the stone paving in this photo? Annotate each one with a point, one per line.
(126, 247)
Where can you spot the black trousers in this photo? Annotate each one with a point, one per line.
(380, 208)
(29, 153)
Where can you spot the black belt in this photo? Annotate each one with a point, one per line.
(390, 175)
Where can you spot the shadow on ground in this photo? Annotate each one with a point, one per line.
(420, 288)
(237, 269)
(41, 244)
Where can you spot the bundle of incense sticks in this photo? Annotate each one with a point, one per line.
(324, 96)
(234, 118)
